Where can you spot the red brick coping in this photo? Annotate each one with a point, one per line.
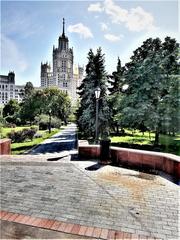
(5, 146)
(168, 163)
(77, 229)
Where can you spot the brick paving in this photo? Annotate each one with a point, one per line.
(108, 203)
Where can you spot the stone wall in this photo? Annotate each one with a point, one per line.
(168, 163)
(5, 146)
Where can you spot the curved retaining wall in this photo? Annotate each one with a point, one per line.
(5, 146)
(168, 163)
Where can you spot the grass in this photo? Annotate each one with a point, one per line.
(170, 144)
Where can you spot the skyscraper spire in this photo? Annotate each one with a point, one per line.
(63, 34)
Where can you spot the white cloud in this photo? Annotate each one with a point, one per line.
(113, 38)
(104, 26)
(12, 58)
(115, 12)
(82, 30)
(135, 19)
(95, 7)
(138, 20)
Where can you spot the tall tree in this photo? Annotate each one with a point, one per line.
(150, 76)
(116, 82)
(95, 77)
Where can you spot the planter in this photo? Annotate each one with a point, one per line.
(105, 151)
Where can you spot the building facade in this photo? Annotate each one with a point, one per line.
(8, 89)
(62, 74)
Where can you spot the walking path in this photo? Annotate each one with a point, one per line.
(61, 144)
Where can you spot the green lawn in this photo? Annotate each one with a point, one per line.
(170, 144)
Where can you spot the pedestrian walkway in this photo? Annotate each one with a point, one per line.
(63, 195)
(61, 144)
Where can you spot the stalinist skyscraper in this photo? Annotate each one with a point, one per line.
(62, 73)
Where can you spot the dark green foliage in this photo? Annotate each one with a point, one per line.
(116, 82)
(43, 122)
(95, 77)
(11, 108)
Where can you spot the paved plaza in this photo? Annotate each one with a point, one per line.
(51, 184)
(110, 197)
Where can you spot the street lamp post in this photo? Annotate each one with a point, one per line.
(50, 121)
(97, 95)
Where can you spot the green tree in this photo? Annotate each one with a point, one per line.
(46, 100)
(150, 76)
(95, 77)
(28, 89)
(11, 108)
(116, 82)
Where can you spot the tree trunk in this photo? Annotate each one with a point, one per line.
(150, 135)
(117, 129)
(156, 141)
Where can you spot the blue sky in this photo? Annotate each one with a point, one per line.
(29, 29)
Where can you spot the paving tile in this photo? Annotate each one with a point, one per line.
(13, 217)
(119, 235)
(2, 214)
(7, 216)
(62, 227)
(24, 219)
(42, 223)
(75, 229)
(31, 220)
(82, 230)
(111, 234)
(37, 222)
(49, 224)
(55, 225)
(89, 231)
(96, 232)
(68, 227)
(104, 233)
(135, 236)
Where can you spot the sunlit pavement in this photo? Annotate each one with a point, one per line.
(109, 198)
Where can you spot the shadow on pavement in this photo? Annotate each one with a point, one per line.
(94, 167)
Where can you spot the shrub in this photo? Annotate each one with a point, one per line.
(44, 122)
(17, 136)
(29, 134)
(21, 136)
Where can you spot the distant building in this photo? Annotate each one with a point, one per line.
(62, 73)
(8, 89)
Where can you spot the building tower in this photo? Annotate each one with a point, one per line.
(61, 75)
(45, 74)
(63, 63)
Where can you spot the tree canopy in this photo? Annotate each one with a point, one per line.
(96, 76)
(152, 99)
